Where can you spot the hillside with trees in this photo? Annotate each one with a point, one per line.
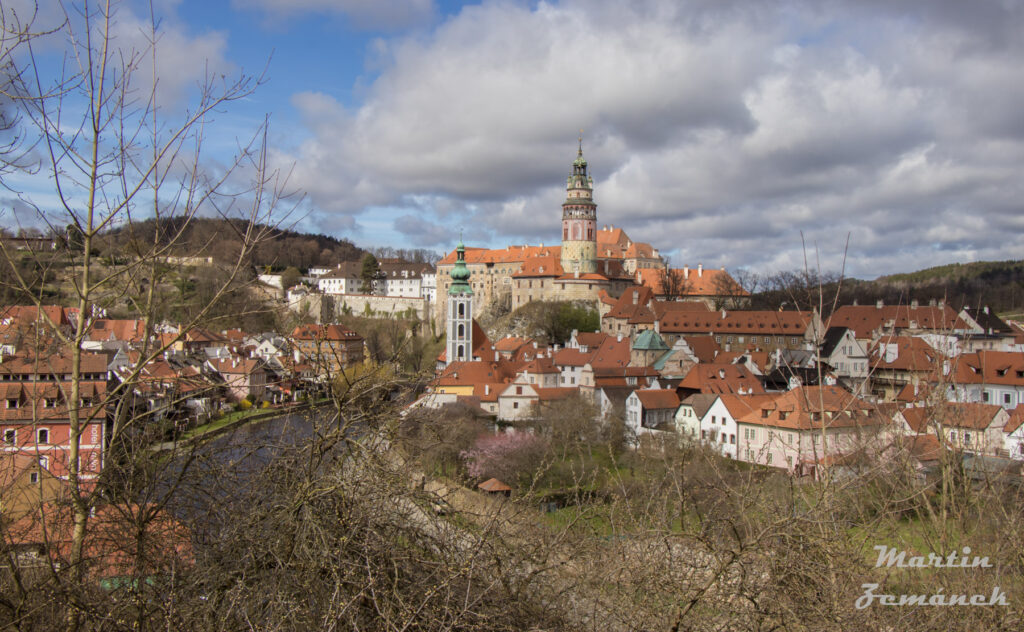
(997, 284)
(222, 239)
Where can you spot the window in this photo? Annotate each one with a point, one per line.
(515, 404)
(519, 390)
(33, 477)
(718, 339)
(12, 403)
(984, 396)
(767, 339)
(1006, 398)
(10, 435)
(732, 439)
(967, 438)
(43, 435)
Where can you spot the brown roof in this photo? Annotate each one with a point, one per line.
(704, 347)
(762, 322)
(865, 320)
(657, 399)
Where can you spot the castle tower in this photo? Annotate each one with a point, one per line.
(460, 311)
(579, 220)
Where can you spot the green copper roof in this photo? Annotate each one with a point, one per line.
(649, 340)
(460, 273)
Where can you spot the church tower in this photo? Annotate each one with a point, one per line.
(460, 311)
(579, 220)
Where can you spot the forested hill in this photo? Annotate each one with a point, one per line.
(221, 239)
(996, 284)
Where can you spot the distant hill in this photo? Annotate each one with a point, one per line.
(221, 239)
(997, 284)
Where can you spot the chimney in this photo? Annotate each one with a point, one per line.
(576, 274)
(931, 303)
(913, 304)
(879, 305)
(619, 339)
(686, 272)
(700, 270)
(985, 309)
(635, 295)
(723, 313)
(487, 389)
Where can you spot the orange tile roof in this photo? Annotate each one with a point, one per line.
(721, 378)
(811, 407)
(694, 283)
(912, 354)
(1016, 419)
(540, 267)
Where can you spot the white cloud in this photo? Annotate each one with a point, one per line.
(719, 130)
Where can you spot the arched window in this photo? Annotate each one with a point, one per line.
(462, 310)
(565, 232)
(461, 353)
(462, 331)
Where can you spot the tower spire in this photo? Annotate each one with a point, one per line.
(580, 152)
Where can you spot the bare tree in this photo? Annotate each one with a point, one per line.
(116, 155)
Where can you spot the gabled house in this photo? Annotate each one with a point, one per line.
(244, 378)
(847, 357)
(811, 427)
(690, 412)
(651, 409)
(1013, 434)
(718, 425)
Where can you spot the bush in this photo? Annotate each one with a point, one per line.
(245, 404)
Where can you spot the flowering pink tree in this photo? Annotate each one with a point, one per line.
(505, 456)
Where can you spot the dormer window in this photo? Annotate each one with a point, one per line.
(12, 403)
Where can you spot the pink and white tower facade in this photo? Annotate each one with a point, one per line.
(579, 220)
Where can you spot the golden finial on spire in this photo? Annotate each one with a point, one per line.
(581, 142)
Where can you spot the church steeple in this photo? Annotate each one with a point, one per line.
(459, 325)
(579, 219)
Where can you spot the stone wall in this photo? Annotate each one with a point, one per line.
(382, 306)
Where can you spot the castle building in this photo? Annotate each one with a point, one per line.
(588, 261)
(460, 311)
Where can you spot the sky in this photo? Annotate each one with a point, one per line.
(873, 136)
